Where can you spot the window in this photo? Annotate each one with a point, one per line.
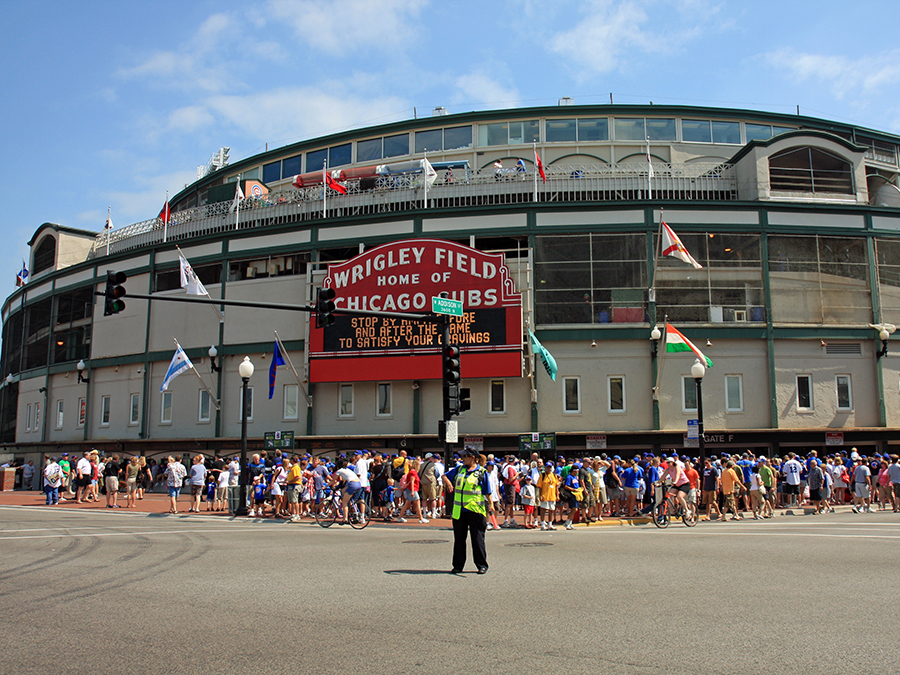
(269, 266)
(432, 139)
(726, 132)
(384, 399)
(28, 417)
(561, 130)
(696, 131)
(456, 138)
(844, 398)
(171, 279)
(291, 402)
(271, 172)
(808, 169)
(249, 404)
(615, 392)
(204, 408)
(165, 413)
(340, 155)
(630, 129)
(104, 411)
(292, 166)
(582, 129)
(498, 397)
(396, 146)
(734, 396)
(571, 395)
(804, 392)
(44, 255)
(82, 410)
(660, 129)
(688, 394)
(509, 133)
(135, 408)
(368, 150)
(345, 401)
(315, 160)
(59, 414)
(37, 416)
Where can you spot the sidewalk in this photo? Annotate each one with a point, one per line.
(158, 503)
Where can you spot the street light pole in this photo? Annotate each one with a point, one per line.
(698, 370)
(246, 372)
(655, 335)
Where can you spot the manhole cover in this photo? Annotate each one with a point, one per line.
(528, 544)
(427, 541)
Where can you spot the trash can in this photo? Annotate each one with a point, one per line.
(233, 497)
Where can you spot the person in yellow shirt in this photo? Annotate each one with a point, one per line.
(548, 485)
(293, 484)
(730, 479)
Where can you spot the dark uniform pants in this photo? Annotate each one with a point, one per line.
(475, 525)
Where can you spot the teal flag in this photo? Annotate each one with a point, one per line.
(546, 357)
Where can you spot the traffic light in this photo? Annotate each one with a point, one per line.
(114, 292)
(324, 307)
(451, 365)
(464, 402)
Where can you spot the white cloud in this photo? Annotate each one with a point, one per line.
(865, 76)
(190, 118)
(479, 89)
(352, 25)
(141, 203)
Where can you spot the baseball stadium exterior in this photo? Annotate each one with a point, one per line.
(793, 221)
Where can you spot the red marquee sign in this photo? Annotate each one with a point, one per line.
(403, 276)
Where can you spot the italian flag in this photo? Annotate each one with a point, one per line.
(676, 342)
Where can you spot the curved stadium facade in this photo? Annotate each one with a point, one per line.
(795, 221)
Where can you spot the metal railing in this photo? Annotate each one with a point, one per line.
(405, 192)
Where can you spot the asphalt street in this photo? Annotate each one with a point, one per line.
(128, 592)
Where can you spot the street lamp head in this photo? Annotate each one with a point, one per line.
(213, 352)
(884, 335)
(81, 366)
(246, 368)
(698, 370)
(655, 334)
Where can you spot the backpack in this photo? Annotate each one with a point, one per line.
(404, 481)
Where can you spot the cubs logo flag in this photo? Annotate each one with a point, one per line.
(277, 360)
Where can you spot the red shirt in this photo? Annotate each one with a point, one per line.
(693, 477)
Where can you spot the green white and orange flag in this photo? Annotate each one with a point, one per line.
(676, 342)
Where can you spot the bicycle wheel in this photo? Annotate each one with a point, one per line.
(327, 514)
(661, 514)
(358, 518)
(689, 517)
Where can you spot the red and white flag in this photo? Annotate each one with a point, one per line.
(540, 165)
(672, 246)
(165, 213)
(333, 184)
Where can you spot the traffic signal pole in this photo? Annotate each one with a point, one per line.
(445, 342)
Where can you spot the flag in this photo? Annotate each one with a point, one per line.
(277, 360)
(540, 165)
(430, 173)
(238, 198)
(334, 185)
(165, 213)
(109, 224)
(22, 277)
(672, 246)
(180, 363)
(676, 342)
(546, 357)
(189, 278)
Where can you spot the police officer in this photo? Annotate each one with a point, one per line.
(468, 484)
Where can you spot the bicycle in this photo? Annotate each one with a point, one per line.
(332, 509)
(669, 508)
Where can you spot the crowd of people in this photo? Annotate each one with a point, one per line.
(533, 493)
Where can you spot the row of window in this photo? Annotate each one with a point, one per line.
(571, 387)
(574, 130)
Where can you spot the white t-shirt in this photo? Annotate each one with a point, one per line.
(362, 470)
(224, 478)
(792, 469)
(83, 467)
(347, 475)
(234, 473)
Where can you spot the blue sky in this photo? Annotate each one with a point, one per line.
(113, 103)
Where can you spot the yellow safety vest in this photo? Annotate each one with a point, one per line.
(467, 493)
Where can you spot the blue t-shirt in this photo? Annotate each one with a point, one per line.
(745, 465)
(259, 491)
(631, 477)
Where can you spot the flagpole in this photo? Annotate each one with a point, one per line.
(652, 294)
(324, 187)
(425, 174)
(290, 363)
(662, 356)
(534, 148)
(108, 216)
(649, 171)
(166, 218)
(237, 218)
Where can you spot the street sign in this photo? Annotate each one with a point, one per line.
(446, 306)
(834, 438)
(693, 430)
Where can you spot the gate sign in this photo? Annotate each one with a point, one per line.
(404, 276)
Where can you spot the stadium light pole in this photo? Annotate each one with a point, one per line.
(246, 372)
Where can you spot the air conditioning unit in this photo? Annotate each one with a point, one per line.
(716, 314)
(740, 315)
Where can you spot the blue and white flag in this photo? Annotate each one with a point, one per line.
(546, 357)
(22, 277)
(180, 363)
